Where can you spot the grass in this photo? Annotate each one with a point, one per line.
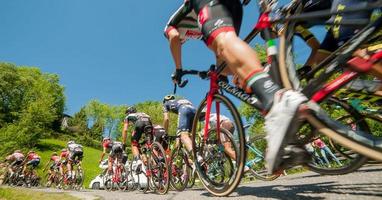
(24, 194)
(90, 161)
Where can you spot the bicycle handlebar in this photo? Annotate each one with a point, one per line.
(183, 83)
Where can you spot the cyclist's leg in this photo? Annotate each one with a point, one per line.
(323, 153)
(185, 117)
(228, 125)
(136, 136)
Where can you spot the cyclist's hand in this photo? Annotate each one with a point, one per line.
(177, 76)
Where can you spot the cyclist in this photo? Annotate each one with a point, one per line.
(115, 151)
(63, 160)
(55, 159)
(32, 160)
(225, 123)
(160, 135)
(16, 160)
(219, 22)
(141, 121)
(75, 155)
(185, 111)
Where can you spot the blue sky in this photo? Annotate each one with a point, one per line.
(113, 51)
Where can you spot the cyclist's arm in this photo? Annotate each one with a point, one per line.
(166, 121)
(102, 154)
(124, 131)
(172, 33)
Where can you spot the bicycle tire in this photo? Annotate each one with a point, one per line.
(162, 182)
(80, 177)
(174, 169)
(257, 171)
(228, 189)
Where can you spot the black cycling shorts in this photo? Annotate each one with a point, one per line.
(34, 163)
(140, 129)
(76, 155)
(116, 150)
(217, 16)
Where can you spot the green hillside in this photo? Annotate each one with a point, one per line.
(90, 161)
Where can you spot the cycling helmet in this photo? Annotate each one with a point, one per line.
(17, 151)
(130, 110)
(64, 150)
(31, 151)
(70, 142)
(168, 98)
(54, 154)
(105, 139)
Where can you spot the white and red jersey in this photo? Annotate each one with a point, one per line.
(55, 159)
(33, 156)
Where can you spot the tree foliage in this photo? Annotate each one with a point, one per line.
(30, 103)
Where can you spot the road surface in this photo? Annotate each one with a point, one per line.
(364, 184)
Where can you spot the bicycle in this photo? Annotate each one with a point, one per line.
(119, 178)
(52, 177)
(341, 57)
(314, 115)
(77, 179)
(154, 167)
(256, 146)
(179, 162)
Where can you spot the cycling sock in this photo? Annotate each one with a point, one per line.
(262, 86)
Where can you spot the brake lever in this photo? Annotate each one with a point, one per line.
(183, 83)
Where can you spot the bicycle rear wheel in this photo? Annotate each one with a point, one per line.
(179, 169)
(211, 153)
(158, 166)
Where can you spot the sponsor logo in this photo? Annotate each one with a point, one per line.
(268, 84)
(219, 22)
(239, 93)
(193, 34)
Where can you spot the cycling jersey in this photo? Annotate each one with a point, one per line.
(185, 111)
(17, 157)
(33, 160)
(140, 121)
(33, 156)
(213, 17)
(185, 21)
(55, 159)
(160, 135)
(75, 152)
(134, 117)
(114, 148)
(174, 105)
(214, 119)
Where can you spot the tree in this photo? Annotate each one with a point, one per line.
(30, 103)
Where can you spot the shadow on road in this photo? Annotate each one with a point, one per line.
(308, 191)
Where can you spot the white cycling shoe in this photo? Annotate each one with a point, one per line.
(277, 121)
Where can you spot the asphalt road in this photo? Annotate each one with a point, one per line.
(364, 184)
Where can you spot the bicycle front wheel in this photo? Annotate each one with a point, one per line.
(219, 161)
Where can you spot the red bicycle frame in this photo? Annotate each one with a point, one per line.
(356, 63)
